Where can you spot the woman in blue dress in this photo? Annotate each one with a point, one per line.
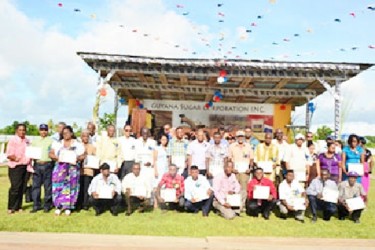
(352, 153)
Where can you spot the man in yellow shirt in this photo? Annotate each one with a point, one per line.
(107, 149)
(42, 171)
(267, 153)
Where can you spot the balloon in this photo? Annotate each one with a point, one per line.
(220, 79)
(122, 100)
(137, 102)
(225, 79)
(207, 106)
(210, 104)
(286, 40)
(141, 106)
(217, 93)
(337, 20)
(223, 73)
(371, 46)
(219, 4)
(60, 4)
(103, 92)
(352, 14)
(253, 24)
(216, 99)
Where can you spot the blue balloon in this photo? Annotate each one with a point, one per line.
(225, 79)
(210, 103)
(141, 106)
(217, 93)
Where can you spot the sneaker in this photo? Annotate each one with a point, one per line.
(57, 212)
(67, 212)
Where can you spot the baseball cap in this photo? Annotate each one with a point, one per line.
(352, 174)
(299, 136)
(240, 133)
(43, 127)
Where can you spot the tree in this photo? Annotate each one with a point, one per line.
(32, 129)
(323, 132)
(107, 119)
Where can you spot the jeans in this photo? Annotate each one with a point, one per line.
(42, 176)
(133, 202)
(17, 177)
(328, 208)
(265, 207)
(205, 205)
(173, 205)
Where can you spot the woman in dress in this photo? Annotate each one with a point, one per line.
(352, 153)
(160, 159)
(65, 175)
(86, 173)
(331, 161)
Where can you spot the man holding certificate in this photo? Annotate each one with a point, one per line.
(197, 153)
(297, 159)
(292, 197)
(261, 195)
(216, 156)
(351, 198)
(170, 191)
(198, 192)
(105, 191)
(177, 151)
(227, 193)
(127, 152)
(323, 194)
(266, 156)
(241, 154)
(137, 190)
(107, 148)
(42, 170)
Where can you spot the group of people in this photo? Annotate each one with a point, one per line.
(188, 172)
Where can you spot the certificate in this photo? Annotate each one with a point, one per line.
(168, 194)
(91, 161)
(300, 175)
(299, 204)
(355, 203)
(105, 192)
(139, 191)
(267, 166)
(200, 194)
(234, 200)
(356, 167)
(330, 195)
(261, 192)
(33, 152)
(179, 161)
(241, 166)
(68, 156)
(112, 165)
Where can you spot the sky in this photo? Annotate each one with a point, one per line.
(43, 78)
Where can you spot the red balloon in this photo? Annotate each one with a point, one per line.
(223, 73)
(103, 92)
(207, 106)
(217, 99)
(137, 102)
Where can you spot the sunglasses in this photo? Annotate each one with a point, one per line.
(128, 130)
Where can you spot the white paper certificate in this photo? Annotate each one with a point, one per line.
(139, 191)
(261, 192)
(200, 194)
(234, 200)
(91, 161)
(105, 192)
(267, 166)
(356, 167)
(168, 194)
(299, 204)
(300, 175)
(68, 156)
(355, 203)
(33, 152)
(112, 165)
(330, 195)
(241, 166)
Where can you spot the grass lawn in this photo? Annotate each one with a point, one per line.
(180, 224)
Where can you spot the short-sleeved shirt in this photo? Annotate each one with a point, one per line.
(198, 150)
(76, 146)
(240, 153)
(332, 164)
(348, 192)
(216, 155)
(176, 182)
(17, 147)
(290, 192)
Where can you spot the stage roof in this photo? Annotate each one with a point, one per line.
(249, 81)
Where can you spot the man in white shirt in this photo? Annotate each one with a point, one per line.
(92, 130)
(127, 152)
(283, 148)
(57, 135)
(292, 197)
(216, 156)
(105, 191)
(137, 191)
(315, 194)
(198, 193)
(197, 153)
(298, 159)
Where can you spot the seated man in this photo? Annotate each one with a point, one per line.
(350, 189)
(292, 197)
(137, 190)
(315, 195)
(226, 184)
(264, 205)
(198, 193)
(105, 191)
(172, 183)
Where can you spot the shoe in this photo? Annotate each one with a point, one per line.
(127, 214)
(283, 217)
(266, 216)
(57, 212)
(35, 210)
(357, 221)
(67, 212)
(97, 211)
(300, 220)
(86, 208)
(341, 218)
(10, 211)
(46, 210)
(314, 219)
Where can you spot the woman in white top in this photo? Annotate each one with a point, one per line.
(65, 176)
(160, 158)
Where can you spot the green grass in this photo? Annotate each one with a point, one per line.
(179, 224)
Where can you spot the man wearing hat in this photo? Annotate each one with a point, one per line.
(347, 190)
(105, 191)
(297, 160)
(242, 156)
(42, 171)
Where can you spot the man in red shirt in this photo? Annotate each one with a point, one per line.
(261, 195)
(173, 184)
